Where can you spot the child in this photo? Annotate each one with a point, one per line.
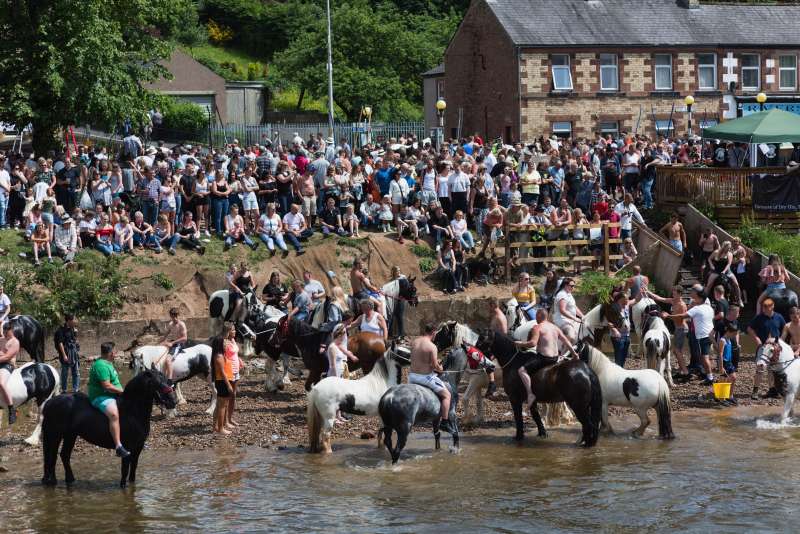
(41, 241)
(350, 221)
(385, 214)
(728, 350)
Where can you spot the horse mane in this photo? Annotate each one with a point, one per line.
(598, 361)
(135, 385)
(463, 334)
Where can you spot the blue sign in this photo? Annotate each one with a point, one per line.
(791, 107)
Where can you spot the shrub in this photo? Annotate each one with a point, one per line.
(162, 280)
(218, 33)
(770, 240)
(184, 118)
(427, 265)
(423, 251)
(599, 285)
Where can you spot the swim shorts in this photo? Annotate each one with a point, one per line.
(430, 381)
(102, 402)
(680, 337)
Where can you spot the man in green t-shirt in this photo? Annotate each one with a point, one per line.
(103, 387)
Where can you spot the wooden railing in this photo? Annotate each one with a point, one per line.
(511, 231)
(716, 187)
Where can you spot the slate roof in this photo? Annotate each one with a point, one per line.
(548, 23)
(438, 70)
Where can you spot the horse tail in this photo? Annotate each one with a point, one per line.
(596, 409)
(651, 353)
(314, 421)
(664, 411)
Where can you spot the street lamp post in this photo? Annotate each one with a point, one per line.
(761, 98)
(330, 69)
(441, 105)
(368, 123)
(689, 101)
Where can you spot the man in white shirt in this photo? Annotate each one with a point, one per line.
(313, 288)
(295, 228)
(489, 160)
(630, 168)
(5, 188)
(458, 183)
(702, 315)
(65, 240)
(627, 211)
(369, 212)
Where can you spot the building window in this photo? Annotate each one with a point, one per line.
(562, 129)
(751, 72)
(663, 72)
(439, 89)
(708, 123)
(787, 73)
(609, 77)
(562, 75)
(609, 128)
(665, 127)
(707, 72)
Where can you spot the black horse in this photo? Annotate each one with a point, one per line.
(571, 381)
(406, 405)
(30, 334)
(297, 338)
(68, 416)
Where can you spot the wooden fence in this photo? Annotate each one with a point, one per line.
(512, 232)
(727, 192)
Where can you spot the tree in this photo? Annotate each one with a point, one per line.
(68, 62)
(379, 53)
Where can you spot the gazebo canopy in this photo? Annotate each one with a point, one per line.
(773, 126)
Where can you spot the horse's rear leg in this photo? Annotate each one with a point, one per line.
(538, 420)
(645, 422)
(605, 422)
(50, 456)
(134, 464)
(788, 406)
(66, 453)
(387, 439)
(125, 468)
(179, 394)
(402, 437)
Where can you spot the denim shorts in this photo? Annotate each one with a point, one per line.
(705, 346)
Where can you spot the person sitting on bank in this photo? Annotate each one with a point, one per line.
(425, 369)
(103, 388)
(235, 230)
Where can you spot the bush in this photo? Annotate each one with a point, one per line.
(770, 240)
(184, 119)
(162, 280)
(423, 251)
(427, 265)
(599, 285)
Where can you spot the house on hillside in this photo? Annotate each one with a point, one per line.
(226, 101)
(524, 68)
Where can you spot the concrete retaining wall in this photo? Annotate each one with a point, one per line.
(658, 260)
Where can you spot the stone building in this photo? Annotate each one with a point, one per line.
(524, 68)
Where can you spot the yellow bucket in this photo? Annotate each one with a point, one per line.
(722, 390)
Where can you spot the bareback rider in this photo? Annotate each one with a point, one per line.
(173, 340)
(766, 327)
(499, 324)
(361, 285)
(424, 372)
(543, 338)
(103, 388)
(9, 350)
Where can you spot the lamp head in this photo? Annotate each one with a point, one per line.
(689, 100)
(761, 98)
(368, 111)
(441, 104)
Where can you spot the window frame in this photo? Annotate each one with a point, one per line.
(701, 66)
(656, 68)
(604, 131)
(781, 69)
(567, 67)
(757, 68)
(560, 132)
(439, 89)
(670, 127)
(614, 66)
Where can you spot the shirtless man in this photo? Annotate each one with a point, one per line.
(544, 338)
(9, 350)
(675, 233)
(498, 323)
(636, 284)
(681, 327)
(424, 372)
(791, 332)
(174, 340)
(362, 287)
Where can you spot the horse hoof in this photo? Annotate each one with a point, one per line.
(50, 482)
(519, 437)
(32, 442)
(543, 435)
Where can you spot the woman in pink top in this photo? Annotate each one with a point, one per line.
(232, 355)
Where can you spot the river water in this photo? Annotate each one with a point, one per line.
(729, 470)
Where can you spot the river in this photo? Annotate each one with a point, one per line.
(730, 470)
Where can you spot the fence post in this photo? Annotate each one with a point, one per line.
(508, 248)
(606, 247)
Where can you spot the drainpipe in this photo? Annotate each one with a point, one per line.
(519, 94)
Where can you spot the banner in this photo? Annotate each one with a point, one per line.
(776, 192)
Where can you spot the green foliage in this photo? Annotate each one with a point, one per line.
(187, 118)
(68, 63)
(378, 54)
(92, 289)
(423, 251)
(599, 285)
(427, 265)
(162, 280)
(352, 242)
(771, 240)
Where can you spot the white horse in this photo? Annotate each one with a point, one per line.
(32, 380)
(640, 389)
(785, 363)
(593, 325)
(359, 397)
(654, 337)
(219, 306)
(191, 362)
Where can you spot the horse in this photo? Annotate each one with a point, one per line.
(219, 309)
(784, 299)
(399, 290)
(515, 318)
(406, 405)
(481, 270)
(571, 381)
(307, 341)
(595, 324)
(368, 347)
(640, 389)
(784, 363)
(69, 416)
(190, 362)
(654, 337)
(30, 334)
(358, 397)
(32, 380)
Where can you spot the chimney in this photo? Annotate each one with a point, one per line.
(690, 4)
